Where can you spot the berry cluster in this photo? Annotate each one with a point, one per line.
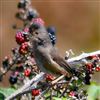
(26, 12)
(30, 16)
(20, 38)
(92, 65)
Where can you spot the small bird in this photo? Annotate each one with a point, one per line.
(46, 55)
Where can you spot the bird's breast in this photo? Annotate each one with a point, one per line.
(39, 60)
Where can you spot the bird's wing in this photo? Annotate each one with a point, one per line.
(55, 66)
(50, 64)
(60, 60)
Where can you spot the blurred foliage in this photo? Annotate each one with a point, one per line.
(4, 92)
(55, 98)
(93, 92)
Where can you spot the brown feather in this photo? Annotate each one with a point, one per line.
(60, 60)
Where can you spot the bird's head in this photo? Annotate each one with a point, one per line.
(40, 35)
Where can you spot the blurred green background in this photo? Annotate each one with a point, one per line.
(77, 23)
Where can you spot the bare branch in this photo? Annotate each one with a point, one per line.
(26, 86)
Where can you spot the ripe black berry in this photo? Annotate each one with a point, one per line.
(21, 5)
(30, 15)
(13, 79)
(52, 31)
(5, 62)
(87, 78)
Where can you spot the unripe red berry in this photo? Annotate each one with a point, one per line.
(37, 21)
(26, 29)
(92, 57)
(20, 38)
(27, 72)
(35, 92)
(49, 77)
(72, 93)
(89, 66)
(23, 48)
(97, 69)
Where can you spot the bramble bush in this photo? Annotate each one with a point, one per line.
(29, 83)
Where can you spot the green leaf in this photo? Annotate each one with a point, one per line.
(6, 91)
(93, 92)
(64, 98)
(56, 98)
(2, 97)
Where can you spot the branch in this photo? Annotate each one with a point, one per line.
(27, 85)
(82, 56)
(58, 79)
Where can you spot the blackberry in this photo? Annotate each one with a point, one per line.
(13, 79)
(21, 5)
(87, 78)
(5, 62)
(52, 31)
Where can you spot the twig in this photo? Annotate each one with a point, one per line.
(58, 79)
(27, 85)
(83, 55)
(26, 88)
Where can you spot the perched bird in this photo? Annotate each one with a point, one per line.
(46, 55)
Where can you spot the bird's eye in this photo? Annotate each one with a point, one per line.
(36, 33)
